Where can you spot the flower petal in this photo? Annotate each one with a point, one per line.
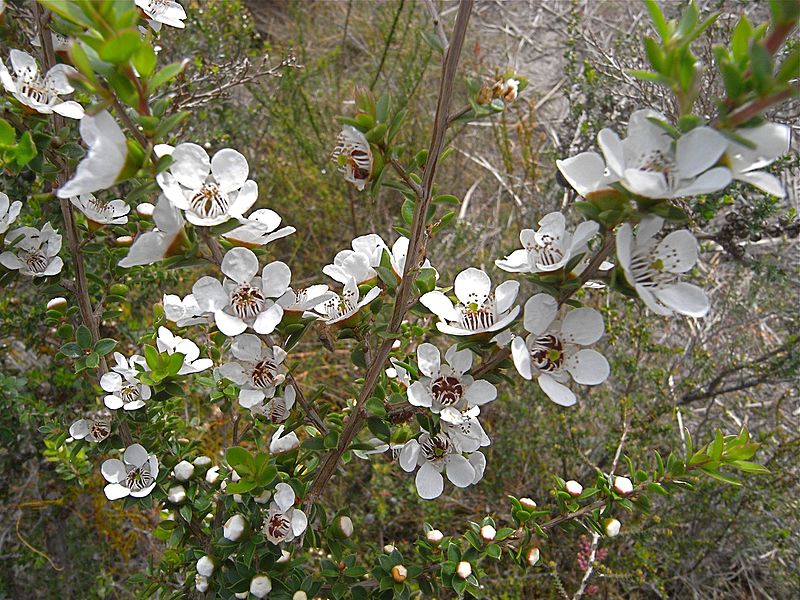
(522, 358)
(275, 279)
(480, 392)
(678, 251)
(230, 325)
(409, 455)
(504, 295)
(613, 151)
(685, 298)
(191, 165)
(472, 285)
(135, 455)
(209, 294)
(230, 169)
(429, 481)
(268, 319)
(113, 470)
(284, 496)
(764, 181)
(115, 491)
(540, 311)
(459, 471)
(418, 394)
(587, 367)
(440, 305)
(582, 326)
(459, 360)
(558, 393)
(429, 359)
(698, 151)
(240, 264)
(712, 180)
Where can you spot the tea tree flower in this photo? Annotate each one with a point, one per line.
(354, 156)
(399, 573)
(135, 475)
(114, 212)
(623, 485)
(162, 12)
(38, 93)
(434, 536)
(209, 191)
(205, 566)
(573, 488)
(124, 391)
(770, 141)
(358, 263)
(184, 311)
(479, 309)
(612, 527)
(434, 454)
(652, 267)
(260, 586)
(488, 533)
(234, 528)
(284, 522)
(300, 302)
(259, 229)
(464, 569)
(281, 443)
(258, 369)
(550, 247)
(506, 90)
(340, 308)
(244, 299)
(33, 252)
(9, 211)
(464, 429)
(278, 407)
(93, 430)
(533, 556)
(552, 351)
(183, 471)
(61, 42)
(170, 343)
(105, 160)
(176, 494)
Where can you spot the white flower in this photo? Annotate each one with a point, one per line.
(464, 569)
(176, 494)
(354, 156)
(183, 471)
(280, 443)
(464, 429)
(379, 447)
(573, 488)
(771, 141)
(135, 475)
(623, 485)
(33, 252)
(278, 408)
(506, 90)
(234, 528)
(301, 301)
(205, 566)
(8, 212)
(258, 369)
(284, 522)
(479, 310)
(201, 583)
(434, 455)
(164, 12)
(488, 533)
(552, 352)
(550, 247)
(93, 429)
(244, 299)
(209, 191)
(259, 229)
(184, 312)
(40, 93)
(341, 308)
(114, 212)
(123, 386)
(612, 527)
(105, 159)
(360, 262)
(652, 267)
(192, 363)
(260, 586)
(127, 366)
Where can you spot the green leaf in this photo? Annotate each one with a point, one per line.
(151, 357)
(740, 39)
(379, 428)
(25, 150)
(105, 346)
(236, 455)
(166, 73)
(71, 350)
(144, 59)
(720, 477)
(175, 363)
(761, 63)
(493, 550)
(7, 133)
(749, 467)
(433, 41)
(658, 19)
(84, 337)
(119, 48)
(92, 360)
(407, 211)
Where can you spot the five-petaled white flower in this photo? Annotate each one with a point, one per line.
(354, 156)
(550, 247)
(184, 311)
(33, 252)
(340, 308)
(40, 93)
(434, 454)
(113, 212)
(258, 369)
(278, 407)
(771, 141)
(653, 267)
(162, 241)
(244, 299)
(93, 429)
(259, 229)
(135, 475)
(209, 191)
(105, 160)
(122, 384)
(192, 363)
(479, 309)
(358, 263)
(162, 12)
(552, 351)
(9, 211)
(284, 522)
(650, 163)
(299, 302)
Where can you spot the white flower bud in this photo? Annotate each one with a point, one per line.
(488, 533)
(205, 566)
(234, 528)
(183, 471)
(241, 595)
(284, 558)
(260, 586)
(237, 498)
(395, 344)
(533, 556)
(202, 461)
(299, 595)
(623, 485)
(612, 527)
(388, 548)
(434, 536)
(345, 525)
(145, 209)
(527, 503)
(573, 488)
(176, 494)
(399, 573)
(391, 373)
(212, 475)
(56, 303)
(124, 240)
(200, 583)
(464, 569)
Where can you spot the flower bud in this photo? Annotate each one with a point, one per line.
(202, 462)
(395, 344)
(527, 503)
(212, 475)
(464, 569)
(124, 241)
(391, 373)
(183, 471)
(57, 303)
(434, 536)
(612, 527)
(345, 525)
(241, 595)
(299, 595)
(205, 566)
(573, 488)
(176, 494)
(145, 209)
(284, 558)
(388, 548)
(488, 533)
(533, 556)
(233, 528)
(623, 485)
(200, 583)
(260, 586)
(399, 573)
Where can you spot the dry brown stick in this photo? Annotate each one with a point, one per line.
(414, 257)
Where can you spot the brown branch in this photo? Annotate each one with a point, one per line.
(756, 107)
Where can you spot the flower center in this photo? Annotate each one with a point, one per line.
(209, 201)
(447, 390)
(341, 306)
(156, 8)
(657, 161)
(36, 261)
(101, 207)
(475, 316)
(129, 393)
(139, 478)
(549, 253)
(648, 270)
(277, 410)
(359, 163)
(436, 448)
(247, 301)
(264, 374)
(277, 526)
(547, 353)
(34, 88)
(100, 430)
